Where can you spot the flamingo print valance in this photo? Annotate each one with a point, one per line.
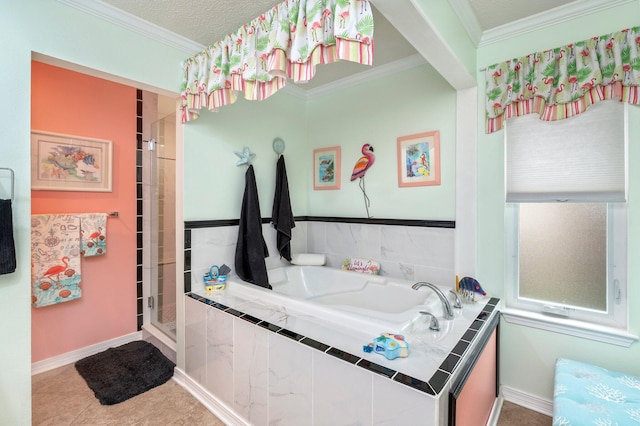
(287, 42)
(562, 82)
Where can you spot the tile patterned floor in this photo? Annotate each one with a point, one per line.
(62, 397)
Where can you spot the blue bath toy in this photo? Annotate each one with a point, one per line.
(390, 345)
(214, 281)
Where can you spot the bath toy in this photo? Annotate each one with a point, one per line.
(213, 281)
(390, 345)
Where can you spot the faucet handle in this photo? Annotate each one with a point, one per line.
(434, 325)
(456, 301)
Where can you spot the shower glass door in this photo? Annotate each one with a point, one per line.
(162, 167)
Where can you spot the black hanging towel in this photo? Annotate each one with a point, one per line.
(282, 216)
(7, 247)
(251, 250)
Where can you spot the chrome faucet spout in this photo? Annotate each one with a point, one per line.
(446, 305)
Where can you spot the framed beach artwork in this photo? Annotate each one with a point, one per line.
(70, 163)
(419, 159)
(326, 168)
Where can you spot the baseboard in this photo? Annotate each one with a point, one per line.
(526, 400)
(220, 409)
(158, 334)
(495, 411)
(78, 354)
(160, 340)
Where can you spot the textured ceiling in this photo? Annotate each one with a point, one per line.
(206, 21)
(203, 21)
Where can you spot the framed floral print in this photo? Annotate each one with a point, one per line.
(70, 163)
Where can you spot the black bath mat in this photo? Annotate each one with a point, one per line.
(118, 374)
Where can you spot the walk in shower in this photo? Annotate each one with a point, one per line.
(159, 177)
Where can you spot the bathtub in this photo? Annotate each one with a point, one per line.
(367, 303)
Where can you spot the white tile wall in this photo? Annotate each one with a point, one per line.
(290, 382)
(407, 252)
(219, 360)
(392, 401)
(217, 246)
(342, 392)
(250, 371)
(196, 341)
(279, 381)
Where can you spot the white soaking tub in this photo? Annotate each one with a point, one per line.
(367, 303)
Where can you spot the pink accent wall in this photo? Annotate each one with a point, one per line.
(71, 103)
(474, 404)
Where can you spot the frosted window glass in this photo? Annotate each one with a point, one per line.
(563, 253)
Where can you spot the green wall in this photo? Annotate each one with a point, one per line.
(214, 185)
(375, 112)
(50, 28)
(378, 112)
(527, 354)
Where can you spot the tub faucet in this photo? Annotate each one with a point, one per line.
(446, 305)
(434, 325)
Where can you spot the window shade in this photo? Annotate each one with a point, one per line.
(582, 159)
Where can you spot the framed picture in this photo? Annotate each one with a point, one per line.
(419, 159)
(326, 168)
(70, 163)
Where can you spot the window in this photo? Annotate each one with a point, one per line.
(566, 222)
(568, 260)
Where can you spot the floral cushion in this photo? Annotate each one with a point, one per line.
(588, 395)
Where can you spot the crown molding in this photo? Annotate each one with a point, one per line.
(361, 77)
(465, 13)
(133, 23)
(294, 90)
(541, 20)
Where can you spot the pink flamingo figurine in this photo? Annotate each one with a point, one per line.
(360, 169)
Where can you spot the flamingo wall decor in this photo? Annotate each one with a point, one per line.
(55, 259)
(360, 169)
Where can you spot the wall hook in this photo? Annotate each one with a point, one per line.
(245, 157)
(278, 146)
(13, 179)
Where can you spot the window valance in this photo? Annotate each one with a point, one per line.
(287, 42)
(562, 82)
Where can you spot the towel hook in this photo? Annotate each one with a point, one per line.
(12, 179)
(245, 157)
(278, 146)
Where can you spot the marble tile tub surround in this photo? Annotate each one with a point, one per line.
(433, 356)
(300, 370)
(414, 253)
